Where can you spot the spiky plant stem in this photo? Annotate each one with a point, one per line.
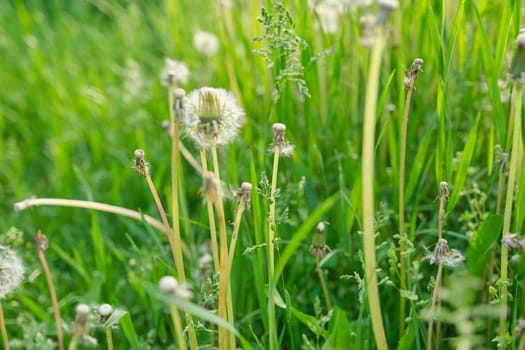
(41, 247)
(516, 144)
(368, 190)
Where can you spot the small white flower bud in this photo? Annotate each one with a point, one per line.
(168, 284)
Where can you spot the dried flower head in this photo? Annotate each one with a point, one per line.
(243, 193)
(206, 43)
(178, 104)
(443, 190)
(318, 246)
(141, 167)
(517, 69)
(444, 255)
(513, 241)
(212, 117)
(174, 73)
(368, 30)
(279, 142)
(11, 271)
(411, 74)
(520, 328)
(82, 325)
(170, 285)
(385, 8)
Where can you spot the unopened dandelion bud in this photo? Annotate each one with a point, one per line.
(11, 271)
(517, 69)
(141, 167)
(318, 246)
(411, 74)
(243, 193)
(385, 8)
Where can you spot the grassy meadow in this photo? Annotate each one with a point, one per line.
(389, 216)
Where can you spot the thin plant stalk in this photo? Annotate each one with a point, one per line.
(368, 190)
(109, 338)
(443, 195)
(41, 247)
(323, 283)
(74, 341)
(175, 111)
(410, 78)
(211, 218)
(516, 144)
(178, 326)
(435, 294)
(3, 329)
(271, 248)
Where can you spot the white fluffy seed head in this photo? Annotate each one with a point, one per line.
(168, 284)
(175, 72)
(212, 117)
(11, 271)
(206, 43)
(105, 310)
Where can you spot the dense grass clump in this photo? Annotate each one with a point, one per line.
(306, 174)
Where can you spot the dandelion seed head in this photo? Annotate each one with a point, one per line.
(11, 271)
(206, 43)
(105, 310)
(444, 255)
(513, 241)
(243, 193)
(212, 117)
(168, 284)
(174, 73)
(520, 39)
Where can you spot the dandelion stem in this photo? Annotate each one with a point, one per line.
(74, 203)
(211, 218)
(175, 112)
(323, 283)
(109, 338)
(41, 247)
(74, 341)
(514, 160)
(3, 328)
(180, 269)
(225, 309)
(368, 190)
(435, 294)
(401, 208)
(178, 326)
(271, 237)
